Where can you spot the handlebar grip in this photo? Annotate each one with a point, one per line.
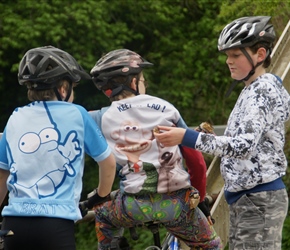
(113, 194)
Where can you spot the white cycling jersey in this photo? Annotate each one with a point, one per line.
(145, 166)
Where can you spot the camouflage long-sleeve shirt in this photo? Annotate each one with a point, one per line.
(252, 146)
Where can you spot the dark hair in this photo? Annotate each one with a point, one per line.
(267, 47)
(121, 80)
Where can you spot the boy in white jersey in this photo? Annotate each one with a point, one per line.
(42, 154)
(253, 161)
(154, 186)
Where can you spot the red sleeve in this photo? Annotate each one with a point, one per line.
(196, 168)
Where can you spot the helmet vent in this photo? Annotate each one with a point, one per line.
(48, 65)
(246, 32)
(32, 64)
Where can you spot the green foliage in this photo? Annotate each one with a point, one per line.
(231, 10)
(178, 36)
(286, 179)
(86, 236)
(286, 234)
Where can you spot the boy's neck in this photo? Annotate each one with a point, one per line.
(260, 70)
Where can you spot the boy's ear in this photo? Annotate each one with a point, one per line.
(262, 54)
(62, 91)
(134, 83)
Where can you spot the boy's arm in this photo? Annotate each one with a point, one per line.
(3, 188)
(107, 172)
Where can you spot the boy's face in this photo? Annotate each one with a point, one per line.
(238, 63)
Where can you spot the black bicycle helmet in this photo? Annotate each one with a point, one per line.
(120, 62)
(246, 32)
(46, 66)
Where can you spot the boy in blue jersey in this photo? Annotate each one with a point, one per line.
(42, 154)
(154, 186)
(253, 162)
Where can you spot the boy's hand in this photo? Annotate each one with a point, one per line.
(94, 199)
(169, 136)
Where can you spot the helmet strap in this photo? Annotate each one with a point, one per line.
(57, 94)
(234, 84)
(118, 88)
(252, 72)
(137, 85)
(69, 91)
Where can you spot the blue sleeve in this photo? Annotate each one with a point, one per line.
(97, 115)
(190, 138)
(279, 79)
(95, 144)
(181, 123)
(3, 152)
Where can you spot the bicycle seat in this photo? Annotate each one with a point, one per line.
(4, 233)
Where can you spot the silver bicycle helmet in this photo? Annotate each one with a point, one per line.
(45, 66)
(120, 62)
(246, 32)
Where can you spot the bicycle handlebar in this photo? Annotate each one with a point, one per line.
(94, 199)
(4, 233)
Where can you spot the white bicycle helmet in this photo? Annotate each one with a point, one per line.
(246, 32)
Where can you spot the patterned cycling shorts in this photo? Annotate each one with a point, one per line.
(256, 220)
(171, 209)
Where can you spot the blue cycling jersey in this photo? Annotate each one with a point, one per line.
(43, 146)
